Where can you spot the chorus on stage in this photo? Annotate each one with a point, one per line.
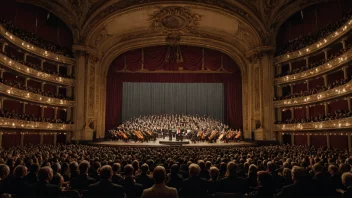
(174, 127)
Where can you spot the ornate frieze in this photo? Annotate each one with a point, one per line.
(343, 123)
(333, 64)
(319, 97)
(32, 97)
(34, 49)
(25, 70)
(21, 124)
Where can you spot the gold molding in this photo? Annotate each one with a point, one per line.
(32, 97)
(28, 47)
(344, 123)
(333, 93)
(21, 124)
(27, 71)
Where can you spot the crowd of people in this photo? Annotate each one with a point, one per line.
(99, 171)
(195, 128)
(304, 41)
(36, 66)
(339, 114)
(34, 39)
(316, 90)
(314, 64)
(20, 86)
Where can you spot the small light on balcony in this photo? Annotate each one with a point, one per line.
(325, 40)
(11, 37)
(22, 43)
(307, 49)
(288, 56)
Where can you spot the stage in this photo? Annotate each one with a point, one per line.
(160, 142)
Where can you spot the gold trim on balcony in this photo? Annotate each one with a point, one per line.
(22, 124)
(23, 69)
(32, 97)
(315, 46)
(319, 97)
(316, 71)
(343, 123)
(34, 49)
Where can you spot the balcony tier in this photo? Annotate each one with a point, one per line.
(21, 124)
(319, 97)
(316, 71)
(32, 97)
(343, 123)
(25, 70)
(339, 33)
(34, 49)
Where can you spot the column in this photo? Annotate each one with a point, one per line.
(307, 62)
(2, 73)
(325, 80)
(43, 83)
(55, 138)
(326, 54)
(290, 66)
(292, 139)
(25, 57)
(69, 91)
(307, 82)
(279, 114)
(308, 139)
(326, 109)
(23, 108)
(69, 70)
(42, 63)
(0, 139)
(55, 113)
(328, 140)
(349, 141)
(291, 88)
(22, 138)
(278, 69)
(348, 103)
(307, 112)
(280, 138)
(68, 137)
(3, 47)
(69, 114)
(42, 112)
(57, 89)
(41, 138)
(343, 42)
(292, 113)
(1, 102)
(26, 82)
(58, 68)
(345, 76)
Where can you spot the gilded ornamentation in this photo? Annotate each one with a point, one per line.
(21, 124)
(244, 35)
(331, 124)
(102, 35)
(257, 88)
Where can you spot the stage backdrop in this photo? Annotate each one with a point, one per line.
(181, 64)
(173, 98)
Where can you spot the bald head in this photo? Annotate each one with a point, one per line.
(45, 174)
(4, 171)
(159, 174)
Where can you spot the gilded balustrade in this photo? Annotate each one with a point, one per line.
(22, 124)
(34, 49)
(316, 71)
(23, 69)
(342, 31)
(330, 124)
(32, 97)
(319, 97)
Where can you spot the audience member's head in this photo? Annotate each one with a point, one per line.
(214, 173)
(20, 171)
(231, 169)
(83, 167)
(264, 179)
(298, 173)
(116, 168)
(4, 171)
(106, 172)
(194, 170)
(128, 170)
(45, 174)
(159, 174)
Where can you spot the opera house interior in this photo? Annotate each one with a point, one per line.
(175, 98)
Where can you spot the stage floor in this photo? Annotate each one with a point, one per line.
(157, 144)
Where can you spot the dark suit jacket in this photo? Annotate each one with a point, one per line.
(81, 182)
(348, 192)
(194, 187)
(44, 189)
(232, 184)
(204, 174)
(116, 179)
(298, 189)
(105, 188)
(18, 187)
(131, 188)
(31, 178)
(323, 185)
(174, 181)
(145, 180)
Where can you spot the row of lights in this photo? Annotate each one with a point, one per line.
(314, 134)
(33, 125)
(320, 43)
(30, 133)
(319, 125)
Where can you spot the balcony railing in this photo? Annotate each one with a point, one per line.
(21, 124)
(32, 97)
(333, 64)
(34, 49)
(319, 97)
(23, 69)
(342, 31)
(331, 124)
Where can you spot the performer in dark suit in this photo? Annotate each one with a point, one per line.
(105, 188)
(43, 188)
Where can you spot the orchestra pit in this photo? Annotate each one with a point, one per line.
(175, 98)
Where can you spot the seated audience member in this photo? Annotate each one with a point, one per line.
(301, 187)
(203, 171)
(4, 172)
(105, 188)
(266, 187)
(57, 178)
(144, 178)
(159, 189)
(213, 181)
(73, 170)
(322, 181)
(287, 177)
(95, 171)
(43, 188)
(194, 186)
(18, 184)
(82, 181)
(335, 177)
(132, 189)
(116, 177)
(31, 177)
(232, 183)
(252, 176)
(347, 182)
(174, 179)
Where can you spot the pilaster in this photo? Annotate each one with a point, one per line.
(41, 138)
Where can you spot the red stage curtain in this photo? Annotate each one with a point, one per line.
(31, 139)
(13, 105)
(318, 140)
(192, 57)
(134, 60)
(316, 82)
(48, 139)
(300, 113)
(316, 110)
(229, 64)
(33, 110)
(338, 105)
(339, 141)
(212, 59)
(154, 58)
(10, 140)
(301, 140)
